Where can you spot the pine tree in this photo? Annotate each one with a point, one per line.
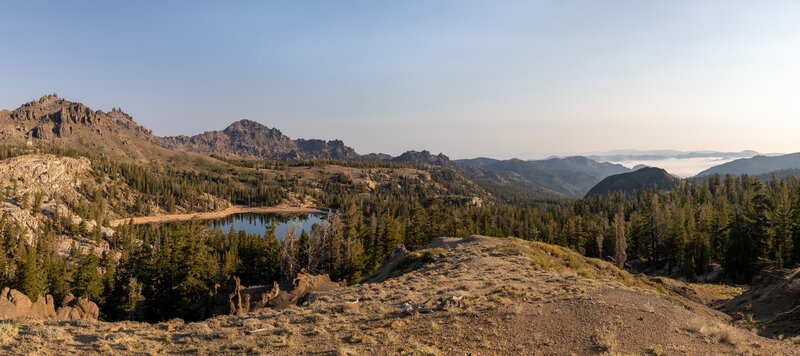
(88, 282)
(742, 251)
(58, 277)
(620, 256)
(31, 278)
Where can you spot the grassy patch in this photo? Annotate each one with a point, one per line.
(510, 249)
(605, 341)
(721, 333)
(421, 256)
(543, 261)
(575, 262)
(552, 250)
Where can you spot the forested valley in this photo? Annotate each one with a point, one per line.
(153, 273)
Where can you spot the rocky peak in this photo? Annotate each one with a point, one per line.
(49, 99)
(422, 157)
(252, 128)
(53, 116)
(249, 139)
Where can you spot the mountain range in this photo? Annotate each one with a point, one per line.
(570, 176)
(756, 165)
(58, 122)
(655, 155)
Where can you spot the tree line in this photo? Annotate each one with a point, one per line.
(158, 272)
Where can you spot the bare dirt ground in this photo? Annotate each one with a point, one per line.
(515, 298)
(237, 209)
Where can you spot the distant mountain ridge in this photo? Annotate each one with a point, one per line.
(248, 139)
(642, 179)
(632, 155)
(57, 122)
(755, 165)
(570, 176)
(422, 157)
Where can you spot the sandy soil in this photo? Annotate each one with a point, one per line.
(280, 209)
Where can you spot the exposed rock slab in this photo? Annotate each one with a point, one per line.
(15, 304)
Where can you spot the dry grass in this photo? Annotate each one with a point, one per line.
(605, 341)
(716, 332)
(419, 350)
(52, 334)
(657, 350)
(552, 250)
(422, 256)
(507, 307)
(7, 333)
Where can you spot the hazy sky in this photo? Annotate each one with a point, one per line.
(482, 78)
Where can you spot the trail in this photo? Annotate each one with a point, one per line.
(237, 209)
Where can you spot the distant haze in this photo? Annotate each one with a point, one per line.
(467, 78)
(681, 167)
(681, 164)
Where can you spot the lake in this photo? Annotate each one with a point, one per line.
(256, 223)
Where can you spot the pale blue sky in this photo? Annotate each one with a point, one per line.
(467, 78)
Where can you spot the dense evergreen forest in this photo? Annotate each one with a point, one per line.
(156, 273)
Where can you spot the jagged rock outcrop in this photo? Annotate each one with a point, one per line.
(250, 139)
(302, 286)
(235, 299)
(77, 308)
(53, 121)
(422, 157)
(15, 304)
(53, 116)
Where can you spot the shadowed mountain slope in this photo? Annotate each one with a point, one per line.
(645, 178)
(571, 176)
(756, 165)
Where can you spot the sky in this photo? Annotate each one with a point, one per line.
(467, 78)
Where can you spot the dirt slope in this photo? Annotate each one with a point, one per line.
(509, 297)
(771, 305)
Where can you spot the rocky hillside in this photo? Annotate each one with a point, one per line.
(45, 190)
(54, 121)
(477, 295)
(771, 305)
(249, 139)
(642, 179)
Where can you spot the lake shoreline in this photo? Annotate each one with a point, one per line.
(237, 209)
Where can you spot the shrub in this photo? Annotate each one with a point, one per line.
(423, 256)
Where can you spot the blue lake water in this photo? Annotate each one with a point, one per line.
(255, 223)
